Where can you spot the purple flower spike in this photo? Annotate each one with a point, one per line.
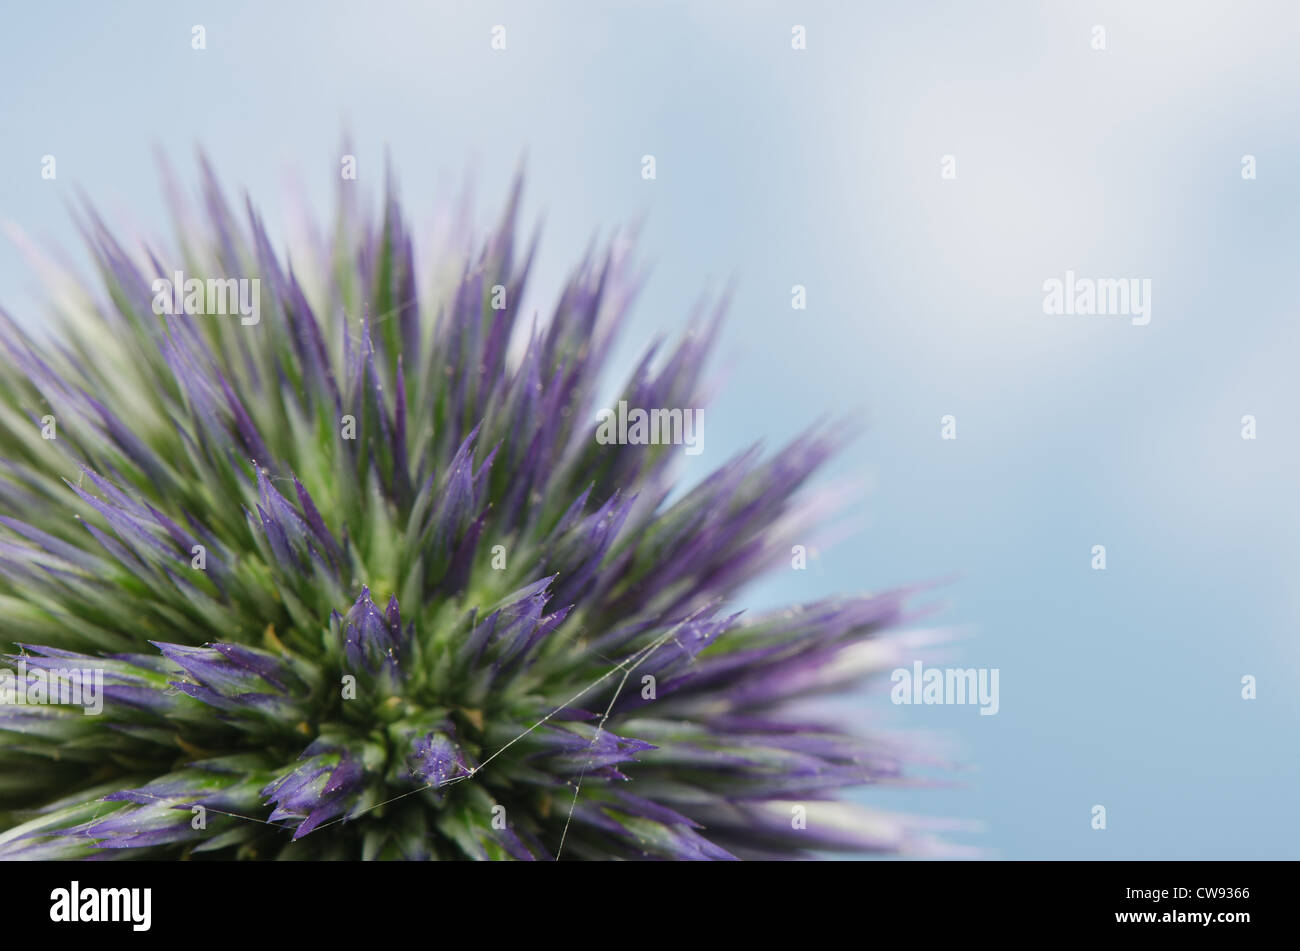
(372, 639)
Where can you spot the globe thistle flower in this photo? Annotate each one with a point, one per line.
(358, 581)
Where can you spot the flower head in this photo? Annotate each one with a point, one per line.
(361, 582)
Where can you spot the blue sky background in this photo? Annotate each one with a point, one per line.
(821, 168)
